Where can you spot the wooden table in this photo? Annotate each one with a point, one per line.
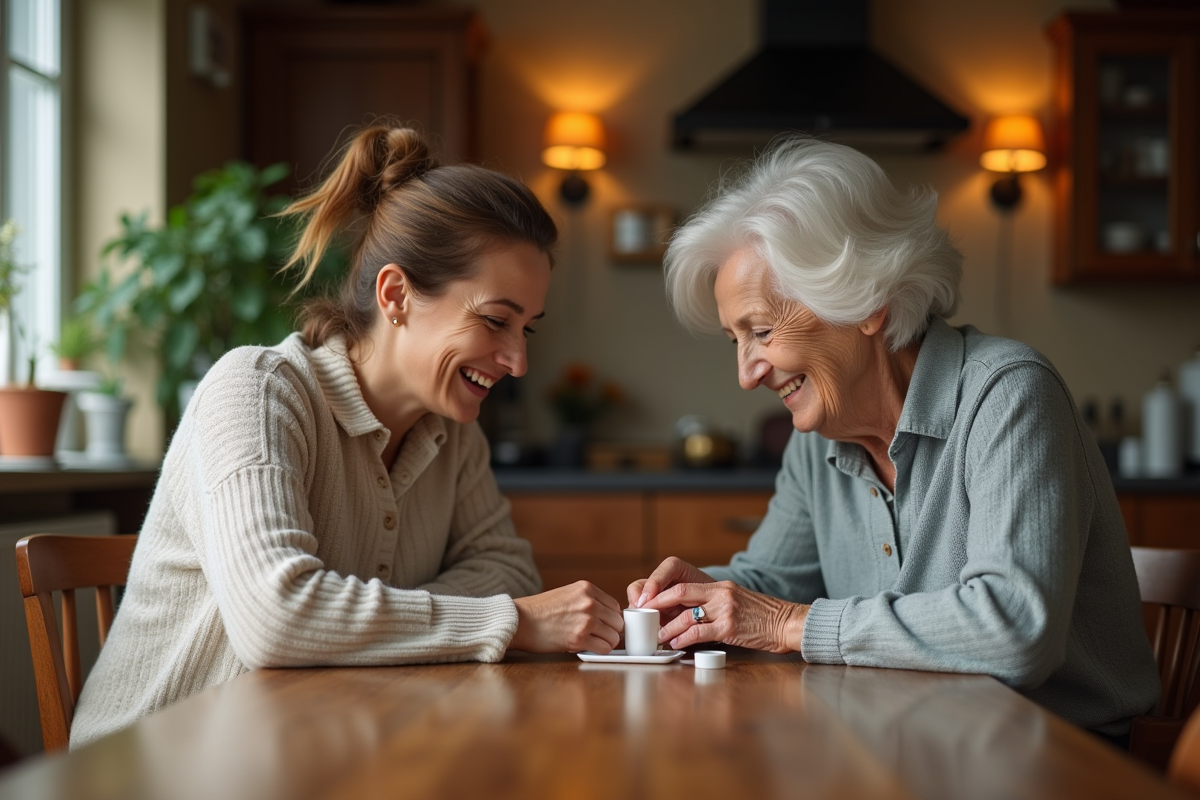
(552, 726)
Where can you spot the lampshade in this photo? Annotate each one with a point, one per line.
(1013, 144)
(574, 140)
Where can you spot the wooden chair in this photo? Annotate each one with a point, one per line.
(1184, 768)
(1170, 587)
(48, 563)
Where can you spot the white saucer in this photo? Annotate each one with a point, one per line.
(28, 464)
(621, 657)
(82, 461)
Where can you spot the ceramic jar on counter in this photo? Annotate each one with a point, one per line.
(1162, 437)
(1189, 394)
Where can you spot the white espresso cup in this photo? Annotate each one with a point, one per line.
(641, 631)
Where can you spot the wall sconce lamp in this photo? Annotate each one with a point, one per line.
(1012, 145)
(574, 142)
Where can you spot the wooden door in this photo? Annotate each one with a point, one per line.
(315, 74)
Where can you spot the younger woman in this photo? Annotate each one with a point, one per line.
(328, 501)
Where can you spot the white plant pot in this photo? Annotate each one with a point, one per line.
(70, 429)
(104, 415)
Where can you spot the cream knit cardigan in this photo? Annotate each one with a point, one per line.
(277, 538)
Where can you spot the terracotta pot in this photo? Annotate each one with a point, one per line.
(29, 421)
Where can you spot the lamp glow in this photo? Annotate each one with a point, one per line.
(574, 141)
(1012, 145)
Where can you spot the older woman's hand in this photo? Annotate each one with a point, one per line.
(670, 572)
(731, 614)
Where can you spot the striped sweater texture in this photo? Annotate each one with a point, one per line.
(276, 537)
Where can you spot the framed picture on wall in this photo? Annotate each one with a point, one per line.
(638, 234)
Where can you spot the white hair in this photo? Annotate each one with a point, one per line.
(835, 233)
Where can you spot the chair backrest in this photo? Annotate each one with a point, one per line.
(1169, 581)
(48, 563)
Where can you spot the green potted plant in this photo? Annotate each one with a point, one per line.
(203, 282)
(76, 342)
(29, 416)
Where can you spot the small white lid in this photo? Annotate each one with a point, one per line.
(710, 659)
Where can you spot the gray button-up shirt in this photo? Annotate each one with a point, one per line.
(1002, 550)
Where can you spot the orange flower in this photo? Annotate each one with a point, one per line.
(577, 374)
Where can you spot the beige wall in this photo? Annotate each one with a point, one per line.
(636, 63)
(144, 128)
(119, 138)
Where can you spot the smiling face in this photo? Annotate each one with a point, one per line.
(452, 349)
(818, 370)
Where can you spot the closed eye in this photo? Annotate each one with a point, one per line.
(500, 324)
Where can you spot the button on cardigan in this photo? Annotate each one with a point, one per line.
(277, 538)
(1002, 550)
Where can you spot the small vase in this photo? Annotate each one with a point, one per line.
(570, 447)
(29, 420)
(105, 416)
(70, 430)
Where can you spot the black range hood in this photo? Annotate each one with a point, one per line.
(817, 73)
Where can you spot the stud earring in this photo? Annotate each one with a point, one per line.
(395, 322)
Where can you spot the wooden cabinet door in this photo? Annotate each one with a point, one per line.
(1162, 520)
(1125, 146)
(705, 529)
(600, 537)
(313, 74)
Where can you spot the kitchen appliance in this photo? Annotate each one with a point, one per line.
(1162, 442)
(1189, 393)
(816, 72)
(700, 445)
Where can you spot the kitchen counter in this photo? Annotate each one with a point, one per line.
(52, 493)
(558, 479)
(610, 527)
(1188, 483)
(551, 479)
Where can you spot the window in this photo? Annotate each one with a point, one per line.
(31, 170)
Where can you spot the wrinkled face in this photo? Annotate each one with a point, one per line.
(812, 366)
(459, 344)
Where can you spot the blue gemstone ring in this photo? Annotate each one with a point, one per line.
(698, 614)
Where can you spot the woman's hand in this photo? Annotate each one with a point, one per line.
(670, 572)
(570, 618)
(732, 615)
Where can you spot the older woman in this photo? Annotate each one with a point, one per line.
(942, 505)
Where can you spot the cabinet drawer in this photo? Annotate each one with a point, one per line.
(706, 529)
(1162, 520)
(583, 524)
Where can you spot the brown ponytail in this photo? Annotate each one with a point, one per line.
(432, 221)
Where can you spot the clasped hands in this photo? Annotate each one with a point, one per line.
(581, 617)
(732, 614)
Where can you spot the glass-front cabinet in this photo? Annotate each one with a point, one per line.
(1126, 134)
